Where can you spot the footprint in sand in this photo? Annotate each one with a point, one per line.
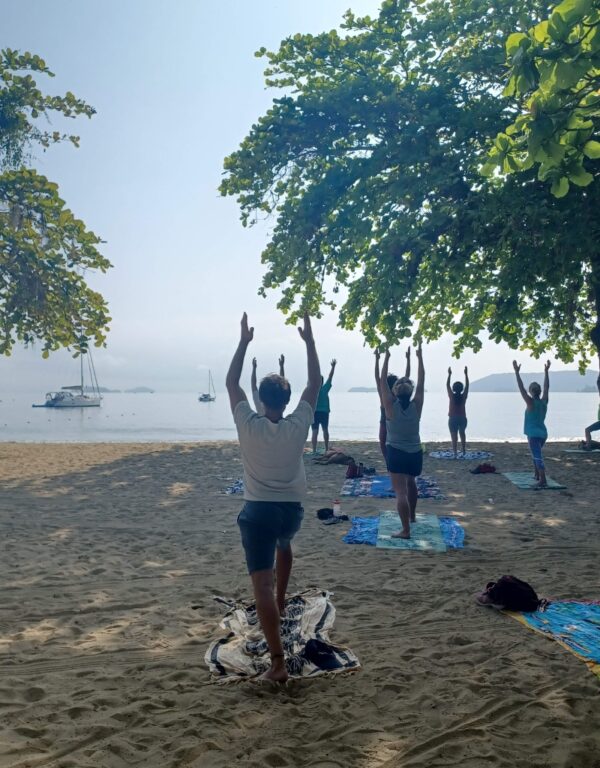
(34, 694)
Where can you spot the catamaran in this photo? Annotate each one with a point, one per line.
(211, 395)
(77, 395)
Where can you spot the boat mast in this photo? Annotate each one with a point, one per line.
(81, 370)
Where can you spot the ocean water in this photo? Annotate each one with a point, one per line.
(168, 417)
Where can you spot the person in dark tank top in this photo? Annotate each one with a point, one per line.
(457, 413)
(403, 405)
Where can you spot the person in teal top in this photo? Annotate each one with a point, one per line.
(536, 403)
(587, 444)
(322, 411)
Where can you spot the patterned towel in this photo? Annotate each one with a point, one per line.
(573, 624)
(237, 486)
(242, 653)
(365, 530)
(527, 482)
(380, 486)
(466, 456)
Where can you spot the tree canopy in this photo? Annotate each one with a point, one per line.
(44, 249)
(370, 164)
(555, 73)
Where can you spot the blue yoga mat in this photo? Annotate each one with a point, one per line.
(364, 530)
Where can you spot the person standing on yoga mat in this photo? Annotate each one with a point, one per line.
(404, 453)
(391, 380)
(322, 411)
(587, 444)
(536, 407)
(457, 414)
(258, 406)
(274, 482)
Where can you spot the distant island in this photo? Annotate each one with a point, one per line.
(560, 381)
(103, 390)
(134, 391)
(362, 389)
(140, 391)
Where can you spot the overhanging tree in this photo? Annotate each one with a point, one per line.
(370, 164)
(44, 249)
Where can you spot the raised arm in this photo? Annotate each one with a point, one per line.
(407, 372)
(378, 375)
(385, 393)
(282, 366)
(420, 389)
(311, 392)
(546, 389)
(253, 386)
(524, 394)
(232, 381)
(448, 380)
(332, 371)
(466, 392)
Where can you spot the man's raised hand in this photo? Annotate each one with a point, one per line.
(254, 364)
(247, 334)
(306, 333)
(516, 366)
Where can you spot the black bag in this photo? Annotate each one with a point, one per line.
(511, 593)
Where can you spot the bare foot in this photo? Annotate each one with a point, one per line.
(277, 673)
(413, 519)
(539, 486)
(401, 535)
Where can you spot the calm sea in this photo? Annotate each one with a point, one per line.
(171, 417)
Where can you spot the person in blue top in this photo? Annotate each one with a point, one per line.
(322, 411)
(536, 402)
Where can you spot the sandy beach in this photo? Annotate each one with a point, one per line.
(112, 555)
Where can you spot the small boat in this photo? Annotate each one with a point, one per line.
(210, 396)
(77, 395)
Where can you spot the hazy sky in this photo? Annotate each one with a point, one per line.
(176, 87)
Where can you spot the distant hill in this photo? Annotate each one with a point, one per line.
(103, 390)
(560, 381)
(140, 391)
(362, 389)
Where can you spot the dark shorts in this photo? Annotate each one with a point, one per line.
(322, 418)
(594, 427)
(403, 463)
(266, 525)
(456, 423)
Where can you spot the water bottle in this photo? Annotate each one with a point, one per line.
(337, 507)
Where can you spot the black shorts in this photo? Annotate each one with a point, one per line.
(265, 526)
(403, 463)
(322, 418)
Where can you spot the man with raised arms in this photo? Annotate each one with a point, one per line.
(272, 447)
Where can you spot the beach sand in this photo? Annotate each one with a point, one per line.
(111, 557)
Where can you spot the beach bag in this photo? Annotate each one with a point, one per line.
(484, 469)
(510, 593)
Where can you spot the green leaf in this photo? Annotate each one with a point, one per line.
(514, 41)
(581, 177)
(560, 187)
(591, 149)
(573, 10)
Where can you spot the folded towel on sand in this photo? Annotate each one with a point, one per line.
(237, 486)
(527, 482)
(309, 616)
(365, 531)
(573, 624)
(380, 486)
(466, 456)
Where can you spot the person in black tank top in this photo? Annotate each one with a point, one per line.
(404, 455)
(457, 414)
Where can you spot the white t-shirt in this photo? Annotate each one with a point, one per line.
(272, 453)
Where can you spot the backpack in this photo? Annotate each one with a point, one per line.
(511, 593)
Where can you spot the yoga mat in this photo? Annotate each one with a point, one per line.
(364, 531)
(425, 534)
(380, 486)
(573, 624)
(242, 652)
(466, 456)
(527, 482)
(581, 450)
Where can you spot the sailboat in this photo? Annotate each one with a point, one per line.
(210, 396)
(75, 396)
